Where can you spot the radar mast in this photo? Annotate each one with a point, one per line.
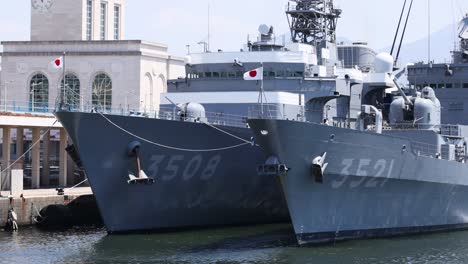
(312, 21)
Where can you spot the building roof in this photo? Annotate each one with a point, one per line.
(87, 48)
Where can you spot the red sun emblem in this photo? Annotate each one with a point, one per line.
(58, 62)
(253, 74)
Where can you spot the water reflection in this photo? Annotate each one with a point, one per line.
(265, 244)
(209, 246)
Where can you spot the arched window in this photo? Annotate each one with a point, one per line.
(160, 87)
(149, 92)
(71, 92)
(102, 92)
(39, 93)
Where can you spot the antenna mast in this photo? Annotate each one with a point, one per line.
(209, 29)
(398, 28)
(312, 21)
(428, 31)
(404, 32)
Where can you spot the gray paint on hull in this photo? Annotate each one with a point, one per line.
(370, 182)
(188, 192)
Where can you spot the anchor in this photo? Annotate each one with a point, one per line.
(141, 177)
(318, 167)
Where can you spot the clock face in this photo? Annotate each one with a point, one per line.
(42, 5)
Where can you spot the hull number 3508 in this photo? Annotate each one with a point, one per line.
(167, 168)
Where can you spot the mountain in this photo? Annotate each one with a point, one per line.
(442, 43)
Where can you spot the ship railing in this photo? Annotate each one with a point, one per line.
(445, 130)
(168, 113)
(425, 149)
(450, 130)
(265, 111)
(215, 118)
(292, 5)
(226, 119)
(317, 6)
(411, 126)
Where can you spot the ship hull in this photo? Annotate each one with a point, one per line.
(373, 185)
(192, 188)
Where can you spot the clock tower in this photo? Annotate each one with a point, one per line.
(63, 20)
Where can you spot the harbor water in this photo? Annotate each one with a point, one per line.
(259, 244)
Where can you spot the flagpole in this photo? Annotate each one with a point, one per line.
(261, 96)
(63, 79)
(261, 90)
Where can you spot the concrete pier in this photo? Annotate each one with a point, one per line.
(37, 131)
(19, 146)
(63, 156)
(6, 157)
(40, 129)
(28, 206)
(45, 179)
(36, 156)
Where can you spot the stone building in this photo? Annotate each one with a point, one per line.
(101, 69)
(77, 20)
(106, 74)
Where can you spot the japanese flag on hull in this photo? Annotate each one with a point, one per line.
(254, 75)
(57, 63)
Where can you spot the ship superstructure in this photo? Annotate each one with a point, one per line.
(397, 170)
(192, 163)
(449, 80)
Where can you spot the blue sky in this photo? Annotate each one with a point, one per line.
(181, 22)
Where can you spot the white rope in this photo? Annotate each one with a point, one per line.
(29, 150)
(170, 147)
(71, 188)
(227, 133)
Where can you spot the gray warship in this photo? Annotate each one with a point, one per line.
(392, 169)
(192, 162)
(449, 80)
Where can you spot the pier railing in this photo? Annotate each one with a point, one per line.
(266, 111)
(25, 107)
